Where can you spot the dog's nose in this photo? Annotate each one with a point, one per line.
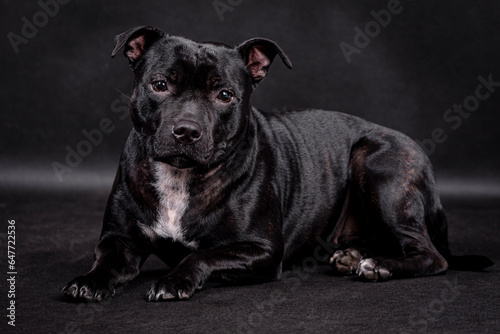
(187, 132)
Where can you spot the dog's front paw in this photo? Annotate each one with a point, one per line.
(369, 270)
(171, 288)
(345, 261)
(88, 287)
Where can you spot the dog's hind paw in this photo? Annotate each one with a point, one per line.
(369, 270)
(345, 261)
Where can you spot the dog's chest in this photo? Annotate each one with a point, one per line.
(172, 188)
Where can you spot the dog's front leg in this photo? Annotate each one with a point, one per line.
(115, 263)
(242, 262)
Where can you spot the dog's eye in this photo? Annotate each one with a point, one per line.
(225, 96)
(159, 86)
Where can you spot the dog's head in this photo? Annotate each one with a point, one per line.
(190, 100)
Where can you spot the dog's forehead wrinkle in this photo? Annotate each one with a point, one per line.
(196, 54)
(207, 65)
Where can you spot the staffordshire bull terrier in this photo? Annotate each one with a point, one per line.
(218, 189)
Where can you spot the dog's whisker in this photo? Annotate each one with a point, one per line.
(123, 94)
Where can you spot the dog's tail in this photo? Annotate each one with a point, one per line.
(462, 262)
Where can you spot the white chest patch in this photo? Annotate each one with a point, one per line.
(171, 186)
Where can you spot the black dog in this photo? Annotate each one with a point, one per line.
(218, 189)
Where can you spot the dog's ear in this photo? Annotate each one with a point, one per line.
(136, 41)
(258, 54)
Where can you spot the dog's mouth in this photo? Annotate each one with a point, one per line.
(185, 157)
(180, 161)
(173, 157)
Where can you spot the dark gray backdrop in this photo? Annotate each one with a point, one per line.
(62, 84)
(61, 81)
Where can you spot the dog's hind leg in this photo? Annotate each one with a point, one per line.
(396, 187)
(352, 237)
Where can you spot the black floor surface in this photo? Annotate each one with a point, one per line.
(56, 233)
